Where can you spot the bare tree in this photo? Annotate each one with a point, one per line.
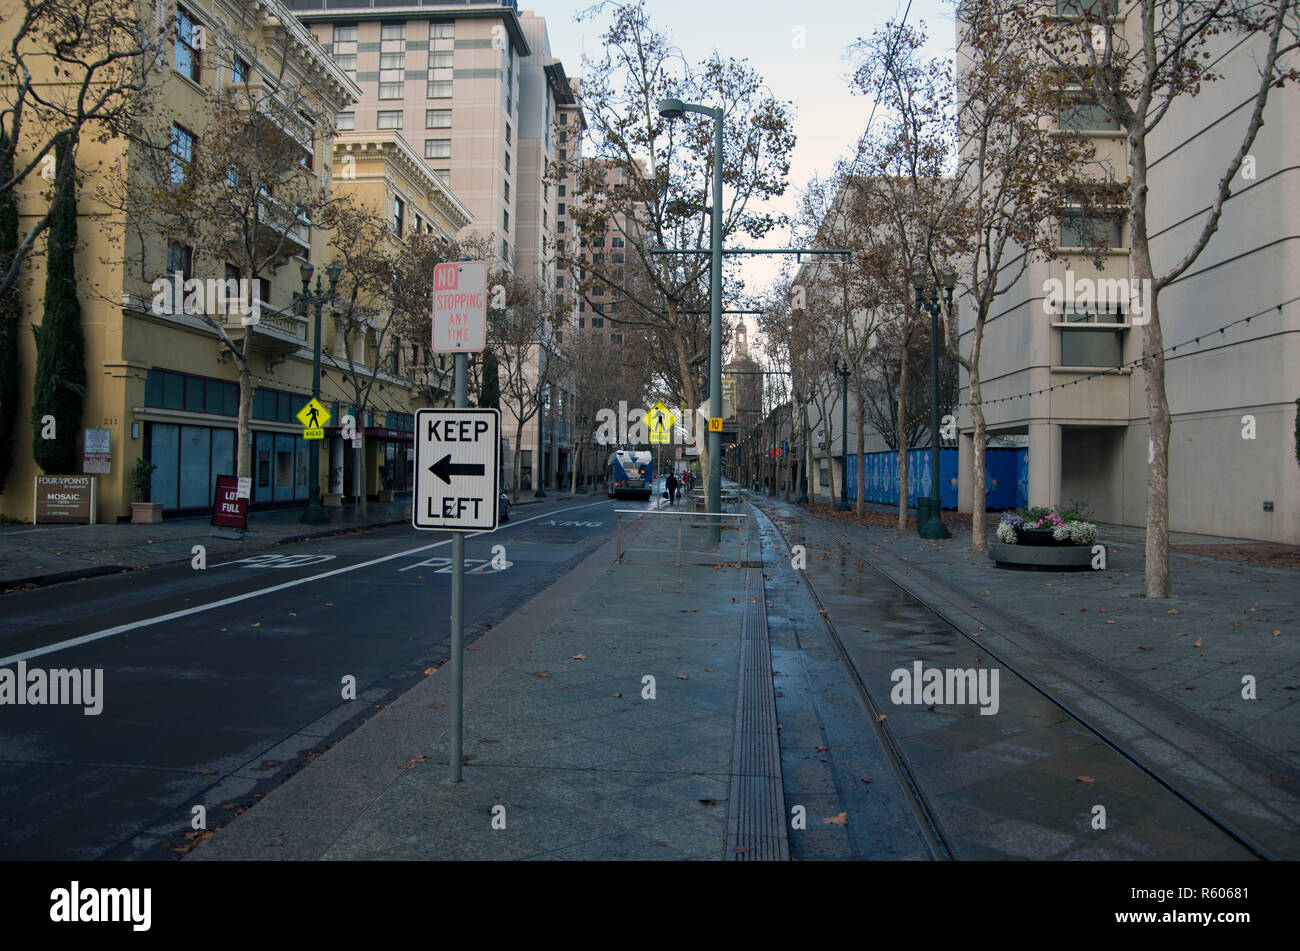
(651, 178)
(75, 68)
(1138, 82)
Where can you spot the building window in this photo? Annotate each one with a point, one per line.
(507, 163)
(239, 71)
(442, 34)
(616, 338)
(561, 192)
(392, 61)
(399, 215)
(616, 242)
(505, 220)
(345, 121)
(390, 120)
(437, 118)
(507, 133)
(507, 188)
(437, 148)
(419, 225)
(441, 60)
(564, 155)
(597, 321)
(189, 55)
(444, 174)
(346, 62)
(564, 118)
(394, 34)
(1075, 8)
(560, 209)
(559, 227)
(345, 33)
(544, 221)
(582, 322)
(182, 157)
(180, 260)
(1077, 229)
(559, 280)
(1091, 348)
(390, 90)
(1087, 117)
(505, 250)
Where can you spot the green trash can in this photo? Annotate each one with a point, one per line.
(923, 511)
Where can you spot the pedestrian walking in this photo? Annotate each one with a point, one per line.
(672, 489)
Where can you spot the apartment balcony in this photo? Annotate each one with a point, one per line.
(279, 227)
(294, 128)
(275, 332)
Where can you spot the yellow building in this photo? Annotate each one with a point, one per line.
(160, 377)
(385, 176)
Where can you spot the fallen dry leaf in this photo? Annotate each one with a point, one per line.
(1083, 779)
(682, 677)
(881, 718)
(708, 801)
(618, 695)
(821, 749)
(578, 657)
(1198, 643)
(838, 820)
(541, 673)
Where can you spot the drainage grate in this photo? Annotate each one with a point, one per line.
(756, 806)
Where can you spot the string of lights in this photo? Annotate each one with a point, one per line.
(1140, 361)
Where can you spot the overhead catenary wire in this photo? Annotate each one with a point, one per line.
(1140, 361)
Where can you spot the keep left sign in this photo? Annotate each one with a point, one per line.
(460, 307)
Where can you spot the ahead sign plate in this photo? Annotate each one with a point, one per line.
(457, 469)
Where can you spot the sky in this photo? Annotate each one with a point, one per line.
(801, 51)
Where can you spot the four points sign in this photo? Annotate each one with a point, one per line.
(457, 469)
(460, 307)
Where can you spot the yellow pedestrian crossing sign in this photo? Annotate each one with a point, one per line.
(313, 417)
(660, 421)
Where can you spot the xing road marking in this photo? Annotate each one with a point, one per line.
(200, 608)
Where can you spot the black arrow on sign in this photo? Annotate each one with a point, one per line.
(444, 468)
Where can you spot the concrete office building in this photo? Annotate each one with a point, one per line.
(1088, 442)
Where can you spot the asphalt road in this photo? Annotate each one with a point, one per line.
(218, 682)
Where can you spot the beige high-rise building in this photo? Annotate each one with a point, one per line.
(473, 86)
(1066, 377)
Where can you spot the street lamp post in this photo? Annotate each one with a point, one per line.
(315, 513)
(934, 528)
(842, 371)
(675, 109)
(539, 469)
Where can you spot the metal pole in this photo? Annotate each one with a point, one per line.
(934, 528)
(315, 513)
(715, 337)
(537, 467)
(458, 612)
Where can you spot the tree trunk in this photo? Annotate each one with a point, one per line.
(517, 475)
(978, 531)
(860, 501)
(902, 437)
(244, 448)
(1156, 581)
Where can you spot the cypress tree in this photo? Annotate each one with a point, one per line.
(10, 311)
(489, 395)
(60, 386)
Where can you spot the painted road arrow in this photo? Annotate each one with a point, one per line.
(444, 468)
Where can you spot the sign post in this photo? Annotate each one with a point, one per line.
(458, 457)
(230, 507)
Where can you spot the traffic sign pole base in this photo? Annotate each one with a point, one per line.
(935, 528)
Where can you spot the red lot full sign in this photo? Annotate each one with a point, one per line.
(460, 307)
(228, 509)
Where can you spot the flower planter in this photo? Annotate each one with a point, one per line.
(146, 513)
(1058, 557)
(1038, 537)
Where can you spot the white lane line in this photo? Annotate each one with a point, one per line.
(198, 609)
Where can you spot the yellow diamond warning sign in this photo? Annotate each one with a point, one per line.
(660, 420)
(313, 417)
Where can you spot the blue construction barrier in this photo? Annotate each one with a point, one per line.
(1007, 477)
